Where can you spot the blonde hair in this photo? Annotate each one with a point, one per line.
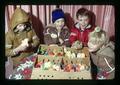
(98, 36)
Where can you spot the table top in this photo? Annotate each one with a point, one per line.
(24, 69)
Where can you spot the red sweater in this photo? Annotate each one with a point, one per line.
(78, 34)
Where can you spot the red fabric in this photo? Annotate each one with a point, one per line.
(80, 35)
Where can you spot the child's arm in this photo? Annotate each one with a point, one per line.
(64, 38)
(103, 62)
(73, 36)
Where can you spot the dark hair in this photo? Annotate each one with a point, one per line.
(90, 14)
(82, 12)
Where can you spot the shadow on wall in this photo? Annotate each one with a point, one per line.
(38, 28)
(92, 18)
(69, 20)
(112, 38)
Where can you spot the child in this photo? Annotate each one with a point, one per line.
(82, 27)
(21, 40)
(102, 53)
(57, 33)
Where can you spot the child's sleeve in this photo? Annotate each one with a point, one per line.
(9, 45)
(102, 61)
(65, 34)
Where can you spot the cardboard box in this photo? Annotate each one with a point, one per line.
(38, 73)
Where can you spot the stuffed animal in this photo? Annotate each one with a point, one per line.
(77, 45)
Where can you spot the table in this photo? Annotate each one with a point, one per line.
(24, 69)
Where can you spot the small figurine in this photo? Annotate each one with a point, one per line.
(73, 55)
(47, 64)
(56, 65)
(80, 55)
(77, 45)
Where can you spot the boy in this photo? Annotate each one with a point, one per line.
(82, 28)
(102, 53)
(57, 33)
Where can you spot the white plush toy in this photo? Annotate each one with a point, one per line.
(82, 67)
(73, 55)
(22, 46)
(80, 55)
(68, 54)
(47, 65)
(56, 67)
(25, 42)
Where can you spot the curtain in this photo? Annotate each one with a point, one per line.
(41, 16)
(105, 16)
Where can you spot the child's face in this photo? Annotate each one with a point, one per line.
(94, 47)
(83, 20)
(21, 27)
(59, 23)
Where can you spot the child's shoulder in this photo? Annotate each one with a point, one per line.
(50, 26)
(108, 50)
(65, 28)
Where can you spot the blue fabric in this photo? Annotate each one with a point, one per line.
(57, 14)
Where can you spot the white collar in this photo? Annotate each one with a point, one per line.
(77, 25)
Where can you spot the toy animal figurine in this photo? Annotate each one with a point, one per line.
(73, 55)
(47, 64)
(68, 54)
(80, 55)
(77, 45)
(68, 68)
(56, 67)
(38, 65)
(82, 67)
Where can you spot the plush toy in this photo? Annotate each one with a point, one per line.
(68, 54)
(77, 45)
(47, 65)
(73, 55)
(82, 67)
(80, 55)
(56, 67)
(24, 44)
